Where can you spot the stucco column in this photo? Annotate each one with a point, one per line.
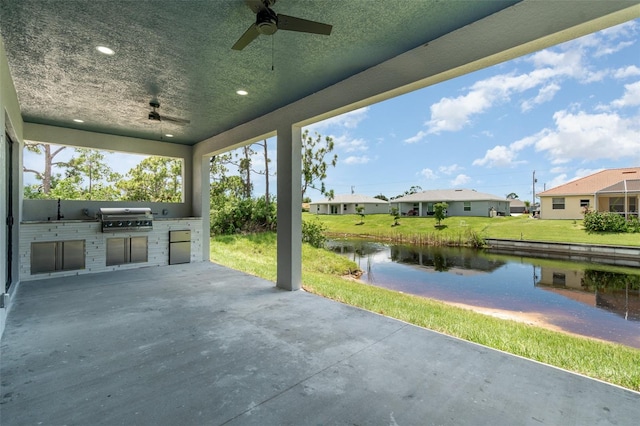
(289, 208)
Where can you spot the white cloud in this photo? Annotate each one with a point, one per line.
(460, 180)
(349, 120)
(558, 170)
(630, 71)
(545, 94)
(347, 144)
(498, 156)
(428, 174)
(561, 179)
(417, 138)
(357, 160)
(449, 170)
(590, 137)
(631, 96)
(550, 66)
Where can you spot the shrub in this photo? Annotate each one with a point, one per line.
(604, 222)
(243, 216)
(313, 233)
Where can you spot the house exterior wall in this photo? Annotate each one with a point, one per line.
(348, 208)
(456, 208)
(572, 208)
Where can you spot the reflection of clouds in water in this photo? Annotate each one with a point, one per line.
(383, 256)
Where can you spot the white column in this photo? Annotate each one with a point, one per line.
(289, 208)
(200, 203)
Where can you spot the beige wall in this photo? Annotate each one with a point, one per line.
(572, 209)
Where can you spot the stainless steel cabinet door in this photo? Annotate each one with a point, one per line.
(116, 251)
(43, 257)
(73, 254)
(139, 252)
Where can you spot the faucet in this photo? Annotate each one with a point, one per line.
(60, 216)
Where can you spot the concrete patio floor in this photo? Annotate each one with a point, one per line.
(200, 344)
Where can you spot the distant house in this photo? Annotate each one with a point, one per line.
(613, 190)
(461, 202)
(517, 206)
(346, 204)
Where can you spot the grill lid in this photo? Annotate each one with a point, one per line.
(126, 211)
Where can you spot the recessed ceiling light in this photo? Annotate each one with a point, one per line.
(105, 50)
(77, 120)
(169, 135)
(242, 92)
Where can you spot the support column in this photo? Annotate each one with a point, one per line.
(289, 208)
(200, 198)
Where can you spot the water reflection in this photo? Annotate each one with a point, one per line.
(582, 298)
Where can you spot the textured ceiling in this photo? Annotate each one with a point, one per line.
(179, 52)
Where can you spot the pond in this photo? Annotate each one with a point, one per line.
(587, 299)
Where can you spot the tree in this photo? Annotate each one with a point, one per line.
(413, 190)
(156, 179)
(45, 176)
(267, 160)
(381, 197)
(512, 196)
(360, 212)
(440, 211)
(314, 165)
(88, 177)
(396, 215)
(223, 187)
(244, 167)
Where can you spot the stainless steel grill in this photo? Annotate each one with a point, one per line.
(116, 219)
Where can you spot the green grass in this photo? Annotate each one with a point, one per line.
(322, 270)
(422, 230)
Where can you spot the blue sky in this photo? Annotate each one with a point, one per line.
(565, 112)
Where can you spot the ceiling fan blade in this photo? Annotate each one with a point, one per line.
(246, 38)
(175, 119)
(291, 23)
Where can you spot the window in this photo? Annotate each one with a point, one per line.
(558, 203)
(559, 278)
(584, 204)
(617, 204)
(467, 206)
(344, 207)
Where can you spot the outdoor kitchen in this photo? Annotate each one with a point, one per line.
(63, 238)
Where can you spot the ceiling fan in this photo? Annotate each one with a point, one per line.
(268, 22)
(154, 115)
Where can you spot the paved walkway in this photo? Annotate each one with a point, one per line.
(200, 344)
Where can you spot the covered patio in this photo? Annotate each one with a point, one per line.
(201, 344)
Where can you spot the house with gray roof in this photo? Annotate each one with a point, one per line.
(461, 202)
(347, 204)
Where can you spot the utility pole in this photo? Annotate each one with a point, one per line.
(533, 204)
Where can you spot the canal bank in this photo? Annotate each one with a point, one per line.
(606, 254)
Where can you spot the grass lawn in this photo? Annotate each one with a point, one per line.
(423, 229)
(321, 274)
